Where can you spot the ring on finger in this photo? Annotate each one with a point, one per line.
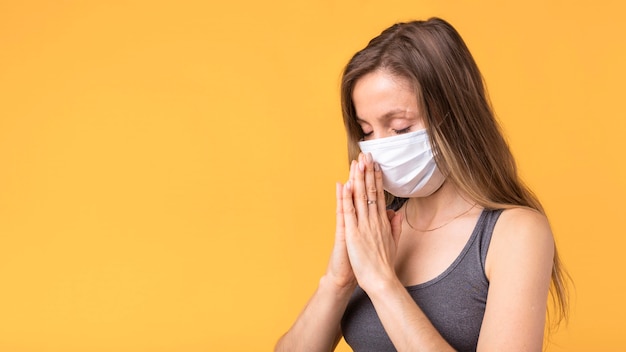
(370, 202)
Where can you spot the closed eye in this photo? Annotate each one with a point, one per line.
(404, 130)
(365, 135)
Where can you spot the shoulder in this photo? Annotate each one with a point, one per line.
(519, 265)
(522, 221)
(522, 236)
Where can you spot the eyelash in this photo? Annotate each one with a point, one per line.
(402, 131)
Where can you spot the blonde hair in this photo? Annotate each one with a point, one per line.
(466, 138)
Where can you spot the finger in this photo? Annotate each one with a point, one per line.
(396, 225)
(339, 222)
(358, 192)
(348, 211)
(380, 190)
(370, 185)
(353, 166)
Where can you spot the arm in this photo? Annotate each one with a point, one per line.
(407, 326)
(317, 328)
(519, 265)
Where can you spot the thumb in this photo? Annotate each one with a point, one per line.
(396, 224)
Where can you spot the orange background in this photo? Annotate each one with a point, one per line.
(167, 169)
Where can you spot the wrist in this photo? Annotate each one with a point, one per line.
(384, 288)
(336, 286)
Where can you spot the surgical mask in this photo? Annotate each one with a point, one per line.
(407, 163)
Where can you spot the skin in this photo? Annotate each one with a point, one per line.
(377, 249)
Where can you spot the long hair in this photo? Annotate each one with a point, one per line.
(466, 139)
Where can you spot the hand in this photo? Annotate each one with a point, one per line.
(371, 232)
(339, 269)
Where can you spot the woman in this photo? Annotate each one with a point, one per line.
(439, 246)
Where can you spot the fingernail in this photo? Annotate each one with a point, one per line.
(361, 165)
(376, 167)
(368, 157)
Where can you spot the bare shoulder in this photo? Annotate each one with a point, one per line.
(519, 265)
(523, 224)
(521, 234)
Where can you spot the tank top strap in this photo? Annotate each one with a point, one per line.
(488, 223)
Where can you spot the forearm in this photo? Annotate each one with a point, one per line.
(406, 324)
(317, 328)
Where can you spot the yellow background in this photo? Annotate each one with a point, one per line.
(167, 168)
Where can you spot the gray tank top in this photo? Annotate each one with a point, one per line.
(454, 301)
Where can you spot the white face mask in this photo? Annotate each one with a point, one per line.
(407, 163)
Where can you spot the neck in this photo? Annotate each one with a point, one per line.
(427, 213)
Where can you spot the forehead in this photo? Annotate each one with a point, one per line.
(379, 94)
